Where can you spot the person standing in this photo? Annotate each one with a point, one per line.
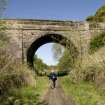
(53, 78)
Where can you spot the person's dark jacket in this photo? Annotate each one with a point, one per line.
(53, 76)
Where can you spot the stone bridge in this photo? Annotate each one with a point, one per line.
(27, 35)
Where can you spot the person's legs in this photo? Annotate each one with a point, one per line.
(54, 83)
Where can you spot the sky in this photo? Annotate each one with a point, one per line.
(52, 9)
(76, 10)
(45, 53)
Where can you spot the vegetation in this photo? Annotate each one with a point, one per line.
(97, 42)
(57, 50)
(18, 84)
(26, 95)
(40, 67)
(3, 37)
(64, 58)
(65, 62)
(99, 15)
(83, 93)
(92, 66)
(86, 82)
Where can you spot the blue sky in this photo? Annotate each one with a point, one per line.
(45, 53)
(52, 9)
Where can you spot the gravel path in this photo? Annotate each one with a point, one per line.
(56, 97)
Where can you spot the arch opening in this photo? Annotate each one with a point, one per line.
(49, 38)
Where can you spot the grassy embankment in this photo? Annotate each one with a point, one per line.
(26, 95)
(83, 93)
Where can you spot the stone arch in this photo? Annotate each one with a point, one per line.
(47, 38)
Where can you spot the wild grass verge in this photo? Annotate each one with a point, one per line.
(83, 93)
(28, 95)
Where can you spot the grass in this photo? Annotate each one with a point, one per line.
(83, 93)
(26, 95)
(42, 85)
(97, 42)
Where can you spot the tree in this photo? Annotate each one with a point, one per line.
(65, 62)
(57, 50)
(40, 67)
(99, 15)
(64, 57)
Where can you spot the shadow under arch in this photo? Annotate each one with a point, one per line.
(47, 38)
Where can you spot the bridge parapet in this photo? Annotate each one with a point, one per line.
(24, 32)
(46, 25)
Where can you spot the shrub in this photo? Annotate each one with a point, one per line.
(15, 76)
(13, 73)
(62, 73)
(97, 42)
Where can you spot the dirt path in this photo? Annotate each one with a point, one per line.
(56, 97)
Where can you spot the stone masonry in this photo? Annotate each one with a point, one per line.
(25, 34)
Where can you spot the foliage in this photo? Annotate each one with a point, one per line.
(40, 67)
(17, 81)
(66, 61)
(90, 18)
(91, 72)
(26, 95)
(99, 16)
(4, 58)
(57, 50)
(20, 97)
(4, 39)
(83, 93)
(97, 42)
(95, 73)
(101, 11)
(15, 76)
(12, 73)
(62, 73)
